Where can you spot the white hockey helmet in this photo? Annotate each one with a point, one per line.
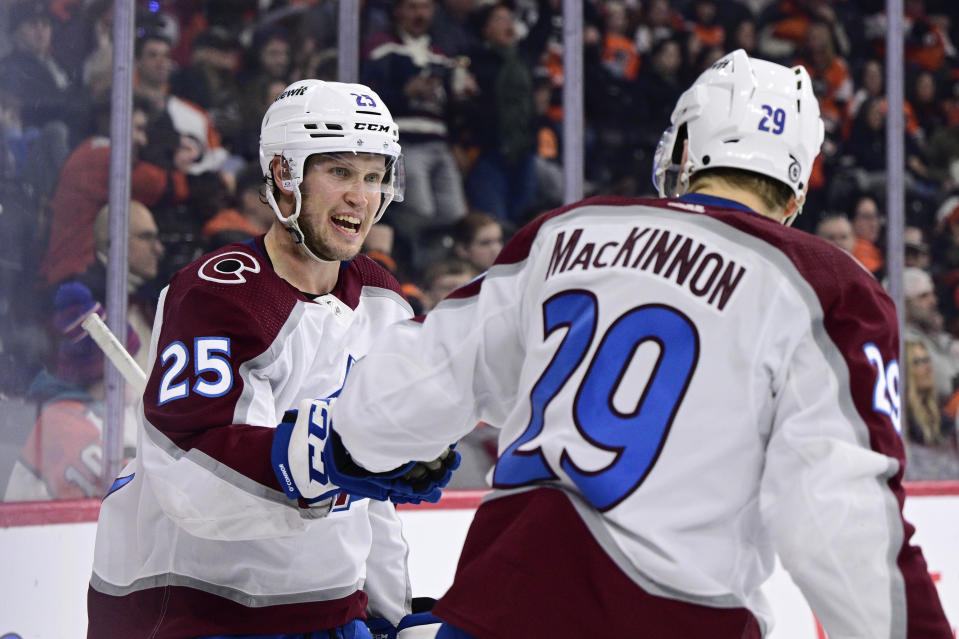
(743, 113)
(313, 116)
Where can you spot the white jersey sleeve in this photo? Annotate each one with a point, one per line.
(465, 357)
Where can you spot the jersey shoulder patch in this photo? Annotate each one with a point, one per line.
(229, 267)
(234, 289)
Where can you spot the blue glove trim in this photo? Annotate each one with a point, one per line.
(381, 628)
(279, 458)
(417, 619)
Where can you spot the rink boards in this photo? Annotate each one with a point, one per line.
(46, 552)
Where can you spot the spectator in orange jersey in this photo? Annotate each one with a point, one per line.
(63, 455)
(786, 26)
(704, 25)
(832, 82)
(619, 53)
(927, 42)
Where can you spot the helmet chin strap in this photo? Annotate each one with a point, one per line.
(788, 221)
(291, 224)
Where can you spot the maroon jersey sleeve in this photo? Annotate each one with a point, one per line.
(225, 309)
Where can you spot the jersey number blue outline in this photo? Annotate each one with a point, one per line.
(204, 362)
(636, 438)
(886, 393)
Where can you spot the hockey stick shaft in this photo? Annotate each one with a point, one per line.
(115, 352)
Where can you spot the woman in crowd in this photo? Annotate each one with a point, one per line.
(931, 450)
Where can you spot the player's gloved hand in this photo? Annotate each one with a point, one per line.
(312, 464)
(427, 477)
(413, 482)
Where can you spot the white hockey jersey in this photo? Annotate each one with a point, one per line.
(684, 389)
(196, 538)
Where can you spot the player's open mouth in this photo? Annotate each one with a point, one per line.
(348, 222)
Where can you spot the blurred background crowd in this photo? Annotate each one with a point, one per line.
(476, 88)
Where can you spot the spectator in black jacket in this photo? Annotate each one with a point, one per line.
(29, 70)
(503, 179)
(420, 83)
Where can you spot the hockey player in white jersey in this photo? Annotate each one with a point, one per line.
(685, 387)
(228, 524)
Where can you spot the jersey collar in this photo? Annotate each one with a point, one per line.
(712, 200)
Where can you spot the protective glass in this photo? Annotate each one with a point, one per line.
(357, 172)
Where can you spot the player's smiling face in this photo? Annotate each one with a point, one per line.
(341, 194)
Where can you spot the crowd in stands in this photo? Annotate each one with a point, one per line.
(476, 88)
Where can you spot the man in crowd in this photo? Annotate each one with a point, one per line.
(421, 83)
(154, 68)
(30, 71)
(837, 229)
(925, 324)
(144, 252)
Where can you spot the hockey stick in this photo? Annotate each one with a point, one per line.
(115, 352)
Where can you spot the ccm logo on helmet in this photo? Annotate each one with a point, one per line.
(371, 126)
(227, 268)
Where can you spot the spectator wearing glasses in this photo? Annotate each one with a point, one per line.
(144, 254)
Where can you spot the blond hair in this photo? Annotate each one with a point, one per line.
(922, 407)
(773, 193)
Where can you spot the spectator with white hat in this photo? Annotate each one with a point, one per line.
(924, 323)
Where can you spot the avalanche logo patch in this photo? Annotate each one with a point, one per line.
(227, 268)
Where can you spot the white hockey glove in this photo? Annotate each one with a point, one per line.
(312, 464)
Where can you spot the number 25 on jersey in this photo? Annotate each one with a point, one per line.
(210, 355)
